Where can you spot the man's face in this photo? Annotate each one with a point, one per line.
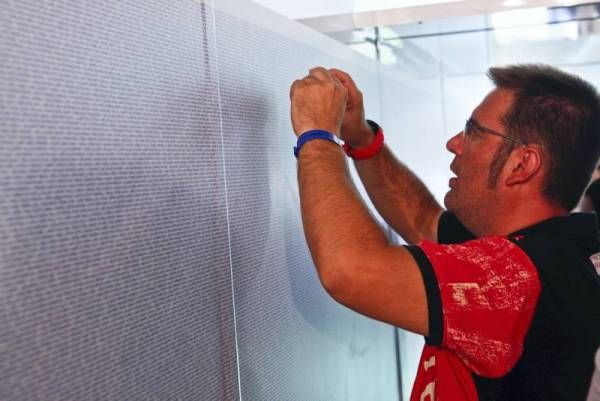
(471, 197)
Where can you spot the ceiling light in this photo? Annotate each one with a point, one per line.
(514, 3)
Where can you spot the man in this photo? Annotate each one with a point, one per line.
(501, 284)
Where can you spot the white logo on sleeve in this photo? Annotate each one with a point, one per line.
(430, 388)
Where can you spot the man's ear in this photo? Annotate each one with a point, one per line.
(523, 164)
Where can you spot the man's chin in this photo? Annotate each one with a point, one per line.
(453, 204)
(449, 200)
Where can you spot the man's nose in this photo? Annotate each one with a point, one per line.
(455, 144)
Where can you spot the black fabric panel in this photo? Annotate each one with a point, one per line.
(434, 299)
(451, 230)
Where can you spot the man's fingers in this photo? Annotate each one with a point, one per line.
(310, 79)
(324, 75)
(297, 83)
(346, 80)
(317, 76)
(354, 95)
(320, 73)
(344, 77)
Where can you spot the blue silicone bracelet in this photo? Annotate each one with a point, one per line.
(310, 135)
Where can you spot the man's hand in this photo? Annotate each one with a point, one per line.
(318, 102)
(355, 130)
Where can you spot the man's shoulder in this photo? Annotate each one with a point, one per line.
(562, 333)
(558, 257)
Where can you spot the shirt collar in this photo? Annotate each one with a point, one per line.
(573, 226)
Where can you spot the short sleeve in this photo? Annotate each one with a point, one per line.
(451, 230)
(487, 291)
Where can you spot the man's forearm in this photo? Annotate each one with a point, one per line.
(356, 264)
(400, 197)
(337, 224)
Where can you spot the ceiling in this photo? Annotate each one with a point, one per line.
(345, 15)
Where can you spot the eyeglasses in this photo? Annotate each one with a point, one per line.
(472, 125)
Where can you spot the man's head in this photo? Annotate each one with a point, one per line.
(560, 112)
(550, 121)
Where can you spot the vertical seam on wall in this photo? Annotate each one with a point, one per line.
(398, 362)
(394, 239)
(390, 236)
(218, 76)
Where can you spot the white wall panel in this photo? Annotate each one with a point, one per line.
(114, 256)
(295, 342)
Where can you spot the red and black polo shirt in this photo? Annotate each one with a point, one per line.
(510, 318)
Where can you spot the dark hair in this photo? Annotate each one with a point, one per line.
(560, 112)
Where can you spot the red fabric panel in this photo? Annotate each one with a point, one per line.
(442, 376)
(489, 289)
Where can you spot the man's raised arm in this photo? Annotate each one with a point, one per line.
(397, 193)
(356, 264)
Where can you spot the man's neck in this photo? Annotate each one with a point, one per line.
(511, 220)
